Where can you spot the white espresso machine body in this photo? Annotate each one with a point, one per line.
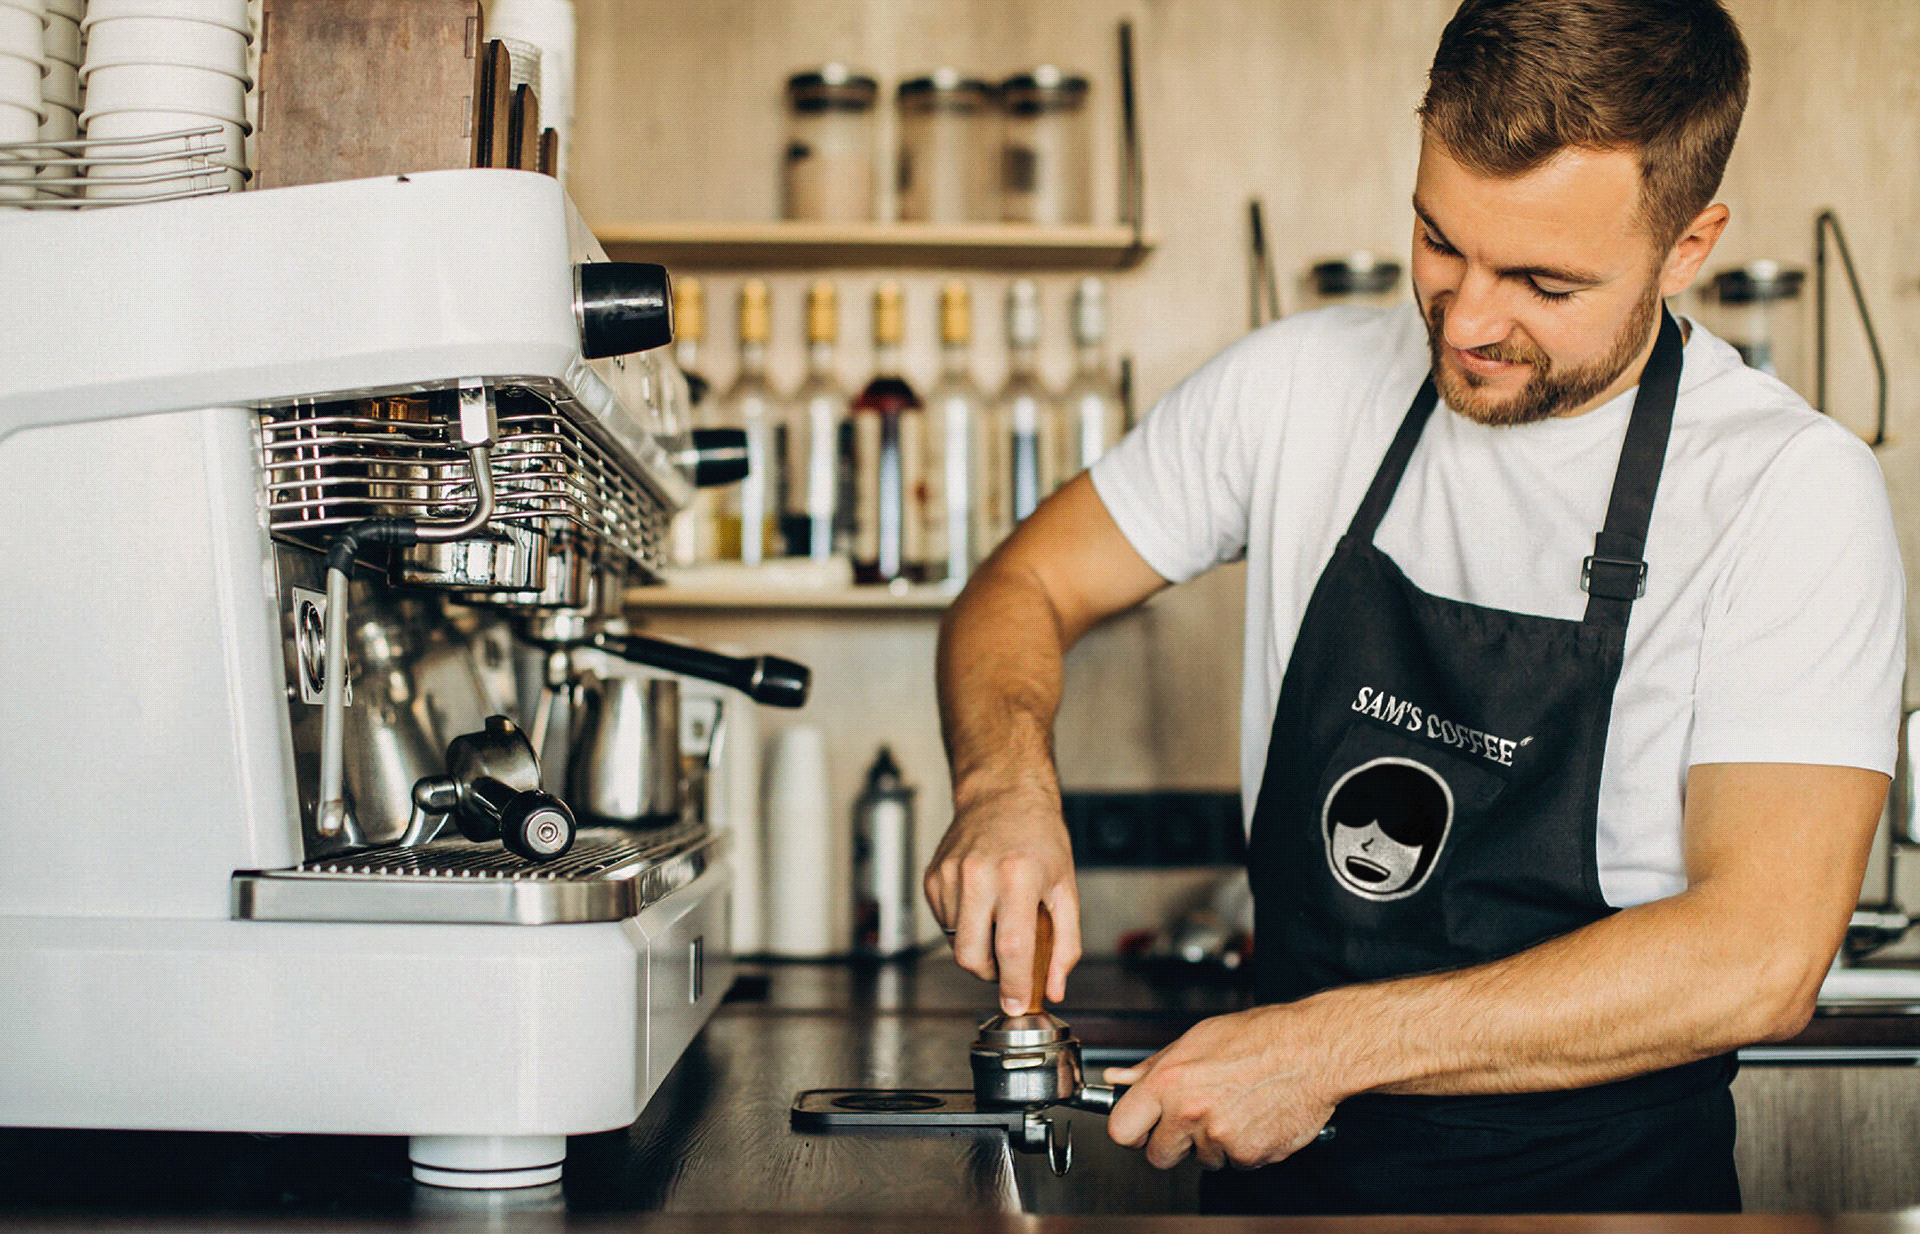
(180, 946)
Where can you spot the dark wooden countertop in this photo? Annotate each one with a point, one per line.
(713, 1151)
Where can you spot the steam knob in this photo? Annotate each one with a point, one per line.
(622, 307)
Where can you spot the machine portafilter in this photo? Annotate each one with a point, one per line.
(1033, 1059)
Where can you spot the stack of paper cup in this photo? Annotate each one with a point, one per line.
(157, 67)
(799, 830)
(548, 25)
(60, 93)
(22, 64)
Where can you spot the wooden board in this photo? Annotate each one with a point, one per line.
(372, 88)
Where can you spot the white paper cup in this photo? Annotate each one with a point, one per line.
(60, 125)
(61, 40)
(16, 175)
(22, 32)
(163, 87)
(158, 40)
(187, 180)
(61, 86)
(20, 85)
(229, 13)
(131, 125)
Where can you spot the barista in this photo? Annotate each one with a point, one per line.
(1573, 657)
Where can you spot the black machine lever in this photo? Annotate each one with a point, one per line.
(764, 679)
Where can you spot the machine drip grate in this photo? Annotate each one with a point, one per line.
(596, 852)
(609, 874)
(331, 465)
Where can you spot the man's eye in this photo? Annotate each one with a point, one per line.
(1436, 246)
(1550, 297)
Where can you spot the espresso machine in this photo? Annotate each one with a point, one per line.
(298, 482)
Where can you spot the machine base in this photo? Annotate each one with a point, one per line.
(487, 1045)
(486, 1162)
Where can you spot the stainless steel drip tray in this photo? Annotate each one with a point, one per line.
(609, 874)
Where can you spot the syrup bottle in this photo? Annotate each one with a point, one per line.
(889, 458)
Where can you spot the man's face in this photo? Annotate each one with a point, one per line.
(1540, 291)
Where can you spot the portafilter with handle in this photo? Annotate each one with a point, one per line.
(1033, 1059)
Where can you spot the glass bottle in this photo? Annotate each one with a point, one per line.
(747, 520)
(956, 423)
(695, 535)
(888, 423)
(1093, 409)
(689, 331)
(814, 519)
(1028, 418)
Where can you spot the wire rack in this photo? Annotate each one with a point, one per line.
(189, 162)
(335, 464)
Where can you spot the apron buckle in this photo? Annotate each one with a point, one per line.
(1613, 578)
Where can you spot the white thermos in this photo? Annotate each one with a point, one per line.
(883, 865)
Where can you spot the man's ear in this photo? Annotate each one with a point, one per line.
(1692, 249)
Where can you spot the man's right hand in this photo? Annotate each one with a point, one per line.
(1004, 856)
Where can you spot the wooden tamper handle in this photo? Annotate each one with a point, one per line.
(1042, 960)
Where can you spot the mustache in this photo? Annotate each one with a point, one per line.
(1508, 350)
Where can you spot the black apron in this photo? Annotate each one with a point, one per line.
(1430, 802)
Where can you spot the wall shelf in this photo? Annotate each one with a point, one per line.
(1006, 246)
(930, 598)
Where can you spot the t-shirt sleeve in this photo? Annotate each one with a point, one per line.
(1179, 485)
(1804, 649)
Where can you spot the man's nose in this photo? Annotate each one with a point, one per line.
(1476, 313)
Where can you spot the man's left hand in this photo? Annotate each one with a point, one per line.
(1240, 1090)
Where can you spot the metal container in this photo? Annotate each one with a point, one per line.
(625, 762)
(885, 873)
(1025, 1060)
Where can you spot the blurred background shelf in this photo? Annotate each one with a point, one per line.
(925, 598)
(1001, 246)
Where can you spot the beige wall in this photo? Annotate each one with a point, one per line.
(1305, 104)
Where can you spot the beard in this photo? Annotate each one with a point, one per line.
(1548, 392)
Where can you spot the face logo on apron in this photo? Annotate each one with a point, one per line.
(1384, 823)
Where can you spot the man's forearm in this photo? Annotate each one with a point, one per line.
(999, 673)
(1649, 987)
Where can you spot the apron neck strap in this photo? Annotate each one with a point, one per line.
(1615, 575)
(1373, 507)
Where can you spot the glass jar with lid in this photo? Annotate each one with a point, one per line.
(946, 169)
(1046, 173)
(1757, 308)
(827, 170)
(1355, 278)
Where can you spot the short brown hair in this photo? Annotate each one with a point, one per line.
(1514, 82)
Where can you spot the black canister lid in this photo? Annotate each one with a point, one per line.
(1758, 281)
(944, 89)
(1358, 274)
(832, 87)
(1043, 89)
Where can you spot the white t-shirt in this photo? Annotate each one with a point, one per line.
(1773, 625)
